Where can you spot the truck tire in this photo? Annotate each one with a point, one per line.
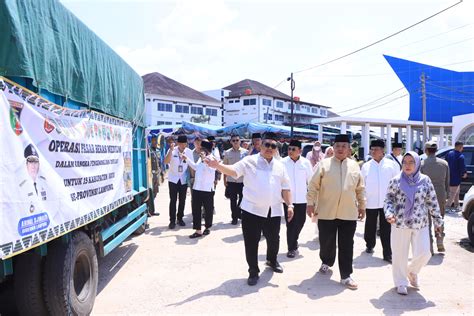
(140, 230)
(71, 276)
(470, 228)
(27, 283)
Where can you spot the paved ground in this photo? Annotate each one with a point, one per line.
(165, 272)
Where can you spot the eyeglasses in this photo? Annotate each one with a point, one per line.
(268, 145)
(235, 140)
(293, 148)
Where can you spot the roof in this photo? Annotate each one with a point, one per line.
(238, 89)
(156, 83)
(448, 93)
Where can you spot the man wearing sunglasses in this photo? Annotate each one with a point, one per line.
(336, 194)
(234, 186)
(300, 172)
(266, 186)
(256, 144)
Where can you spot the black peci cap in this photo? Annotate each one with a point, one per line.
(397, 145)
(342, 138)
(295, 143)
(377, 143)
(182, 139)
(206, 145)
(270, 135)
(256, 135)
(211, 138)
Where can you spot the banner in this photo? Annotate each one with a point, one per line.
(59, 168)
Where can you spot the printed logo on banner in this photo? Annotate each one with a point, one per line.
(31, 224)
(48, 126)
(15, 113)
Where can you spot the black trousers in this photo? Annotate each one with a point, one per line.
(200, 199)
(294, 227)
(252, 227)
(370, 232)
(177, 191)
(345, 230)
(234, 193)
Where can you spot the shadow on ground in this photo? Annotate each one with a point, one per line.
(366, 260)
(111, 264)
(319, 286)
(465, 243)
(392, 303)
(233, 288)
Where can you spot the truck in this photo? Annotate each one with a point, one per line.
(74, 167)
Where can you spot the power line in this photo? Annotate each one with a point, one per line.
(441, 47)
(449, 88)
(379, 41)
(450, 99)
(371, 102)
(381, 105)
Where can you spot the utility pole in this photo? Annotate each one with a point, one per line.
(423, 102)
(292, 85)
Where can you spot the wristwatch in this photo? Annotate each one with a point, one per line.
(291, 205)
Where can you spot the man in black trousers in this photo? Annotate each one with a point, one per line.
(300, 172)
(266, 186)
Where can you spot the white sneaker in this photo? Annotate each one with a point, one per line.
(413, 278)
(324, 268)
(402, 290)
(349, 283)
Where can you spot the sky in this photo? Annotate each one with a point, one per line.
(210, 44)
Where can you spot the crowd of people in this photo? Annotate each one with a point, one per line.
(400, 196)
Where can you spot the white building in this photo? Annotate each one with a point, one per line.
(169, 102)
(252, 101)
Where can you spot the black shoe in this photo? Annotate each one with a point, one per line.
(388, 259)
(276, 267)
(252, 280)
(291, 254)
(206, 232)
(369, 250)
(195, 235)
(234, 221)
(171, 225)
(181, 222)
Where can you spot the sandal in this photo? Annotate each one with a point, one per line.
(195, 235)
(206, 232)
(349, 283)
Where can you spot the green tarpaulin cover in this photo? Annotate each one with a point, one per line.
(42, 40)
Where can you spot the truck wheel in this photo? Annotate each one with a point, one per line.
(141, 229)
(28, 284)
(71, 276)
(470, 228)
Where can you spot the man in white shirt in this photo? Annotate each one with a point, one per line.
(177, 179)
(396, 154)
(377, 174)
(300, 172)
(266, 185)
(203, 190)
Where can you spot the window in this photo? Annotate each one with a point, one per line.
(308, 109)
(266, 102)
(267, 116)
(182, 108)
(164, 123)
(279, 104)
(250, 101)
(148, 100)
(323, 112)
(222, 93)
(165, 107)
(289, 106)
(231, 101)
(211, 112)
(279, 118)
(196, 110)
(298, 107)
(314, 110)
(237, 101)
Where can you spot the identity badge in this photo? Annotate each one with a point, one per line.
(180, 168)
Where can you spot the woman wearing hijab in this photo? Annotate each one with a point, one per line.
(410, 200)
(315, 155)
